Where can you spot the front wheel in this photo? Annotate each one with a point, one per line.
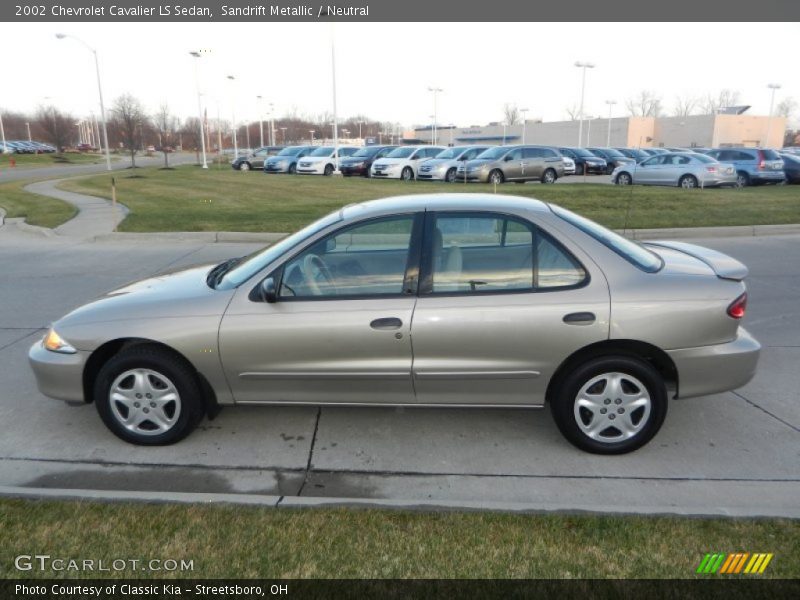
(245, 166)
(328, 170)
(407, 174)
(624, 179)
(496, 177)
(549, 176)
(610, 405)
(146, 395)
(450, 176)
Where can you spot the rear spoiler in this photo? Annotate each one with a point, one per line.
(723, 265)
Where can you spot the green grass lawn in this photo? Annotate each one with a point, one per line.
(37, 210)
(192, 199)
(49, 160)
(249, 542)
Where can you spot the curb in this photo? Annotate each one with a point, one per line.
(209, 237)
(711, 232)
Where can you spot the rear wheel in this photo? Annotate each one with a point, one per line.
(450, 176)
(147, 395)
(688, 182)
(407, 174)
(610, 405)
(549, 176)
(245, 166)
(742, 179)
(624, 179)
(292, 168)
(496, 177)
(579, 169)
(328, 170)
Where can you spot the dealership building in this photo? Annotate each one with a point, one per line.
(728, 128)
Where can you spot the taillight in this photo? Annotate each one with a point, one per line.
(711, 169)
(762, 163)
(738, 307)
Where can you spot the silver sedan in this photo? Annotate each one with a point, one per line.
(684, 169)
(464, 300)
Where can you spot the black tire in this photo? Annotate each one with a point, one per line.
(624, 178)
(549, 176)
(688, 182)
(580, 168)
(450, 176)
(407, 174)
(292, 168)
(166, 364)
(496, 176)
(566, 415)
(245, 166)
(328, 170)
(742, 179)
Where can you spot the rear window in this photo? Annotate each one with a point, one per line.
(631, 251)
(771, 155)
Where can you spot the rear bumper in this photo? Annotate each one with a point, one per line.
(59, 376)
(768, 176)
(716, 368)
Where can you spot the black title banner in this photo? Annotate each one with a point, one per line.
(401, 11)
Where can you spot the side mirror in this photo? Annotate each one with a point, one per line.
(268, 291)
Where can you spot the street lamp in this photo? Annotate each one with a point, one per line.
(62, 36)
(524, 112)
(435, 91)
(196, 55)
(589, 130)
(335, 114)
(311, 131)
(271, 124)
(611, 104)
(283, 134)
(583, 66)
(231, 78)
(3, 134)
(260, 119)
(360, 123)
(774, 87)
(28, 127)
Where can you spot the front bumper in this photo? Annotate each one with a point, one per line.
(348, 170)
(597, 169)
(276, 169)
(716, 368)
(473, 176)
(59, 376)
(393, 173)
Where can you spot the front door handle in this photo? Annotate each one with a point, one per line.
(579, 318)
(386, 323)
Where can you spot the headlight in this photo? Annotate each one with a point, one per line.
(53, 342)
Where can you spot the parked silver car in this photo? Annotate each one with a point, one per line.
(684, 169)
(514, 163)
(510, 302)
(443, 166)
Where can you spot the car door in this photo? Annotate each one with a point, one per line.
(533, 162)
(502, 304)
(338, 330)
(257, 161)
(647, 172)
(513, 165)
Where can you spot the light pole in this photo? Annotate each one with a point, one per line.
(28, 127)
(524, 112)
(311, 131)
(335, 114)
(61, 36)
(260, 120)
(231, 78)
(360, 123)
(435, 91)
(196, 55)
(2, 134)
(283, 134)
(589, 129)
(583, 66)
(774, 87)
(611, 104)
(433, 128)
(271, 124)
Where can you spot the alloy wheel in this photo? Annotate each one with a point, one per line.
(144, 402)
(612, 407)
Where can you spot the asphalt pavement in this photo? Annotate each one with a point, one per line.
(736, 453)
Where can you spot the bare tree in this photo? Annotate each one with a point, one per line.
(166, 125)
(511, 115)
(573, 112)
(685, 106)
(712, 104)
(191, 135)
(786, 108)
(128, 121)
(645, 104)
(57, 126)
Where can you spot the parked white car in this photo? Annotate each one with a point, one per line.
(569, 165)
(322, 160)
(402, 162)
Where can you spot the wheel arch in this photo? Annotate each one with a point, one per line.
(102, 354)
(651, 354)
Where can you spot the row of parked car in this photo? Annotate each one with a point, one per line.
(688, 168)
(25, 147)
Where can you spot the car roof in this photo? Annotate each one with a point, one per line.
(459, 201)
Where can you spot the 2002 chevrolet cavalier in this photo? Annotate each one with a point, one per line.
(439, 300)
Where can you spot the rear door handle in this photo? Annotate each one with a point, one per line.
(579, 318)
(386, 323)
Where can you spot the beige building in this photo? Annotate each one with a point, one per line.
(686, 132)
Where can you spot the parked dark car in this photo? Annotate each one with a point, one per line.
(585, 160)
(636, 154)
(285, 161)
(791, 167)
(614, 158)
(754, 166)
(358, 164)
(256, 159)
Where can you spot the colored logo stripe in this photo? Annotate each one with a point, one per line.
(734, 564)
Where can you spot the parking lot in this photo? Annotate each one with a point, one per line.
(733, 453)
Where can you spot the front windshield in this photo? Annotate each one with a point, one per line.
(583, 152)
(450, 153)
(401, 152)
(365, 152)
(291, 151)
(614, 153)
(322, 151)
(493, 153)
(253, 263)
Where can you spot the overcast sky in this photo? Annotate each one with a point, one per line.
(384, 70)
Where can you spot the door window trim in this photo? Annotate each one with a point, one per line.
(425, 286)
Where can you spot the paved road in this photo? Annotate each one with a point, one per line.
(733, 453)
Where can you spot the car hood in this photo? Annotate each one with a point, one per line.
(181, 293)
(315, 159)
(437, 162)
(276, 159)
(478, 162)
(350, 160)
(390, 161)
